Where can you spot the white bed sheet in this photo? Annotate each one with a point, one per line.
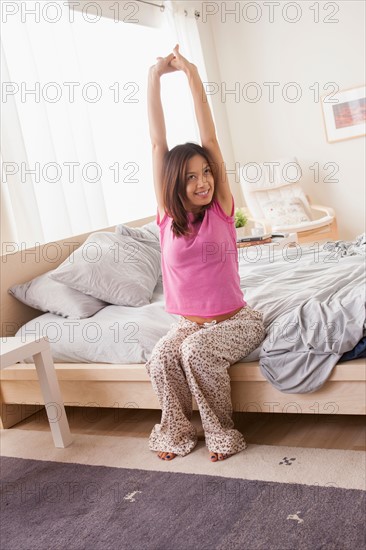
(273, 281)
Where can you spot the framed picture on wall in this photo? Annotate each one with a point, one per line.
(344, 114)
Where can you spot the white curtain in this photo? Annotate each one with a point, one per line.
(181, 17)
(71, 165)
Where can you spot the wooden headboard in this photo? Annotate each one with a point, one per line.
(24, 265)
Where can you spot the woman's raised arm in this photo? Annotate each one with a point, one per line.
(157, 123)
(206, 127)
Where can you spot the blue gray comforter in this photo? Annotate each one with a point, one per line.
(314, 311)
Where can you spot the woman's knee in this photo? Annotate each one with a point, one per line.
(259, 332)
(191, 348)
(194, 352)
(164, 353)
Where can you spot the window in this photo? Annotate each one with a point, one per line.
(76, 123)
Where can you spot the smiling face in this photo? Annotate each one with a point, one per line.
(199, 183)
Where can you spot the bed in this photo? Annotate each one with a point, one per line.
(118, 378)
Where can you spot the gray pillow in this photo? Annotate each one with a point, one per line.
(112, 267)
(45, 294)
(148, 233)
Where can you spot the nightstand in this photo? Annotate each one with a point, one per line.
(17, 348)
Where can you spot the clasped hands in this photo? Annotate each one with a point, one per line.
(173, 62)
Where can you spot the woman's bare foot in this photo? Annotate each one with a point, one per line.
(214, 457)
(166, 456)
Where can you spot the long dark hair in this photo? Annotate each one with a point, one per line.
(174, 184)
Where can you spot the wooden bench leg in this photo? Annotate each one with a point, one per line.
(52, 397)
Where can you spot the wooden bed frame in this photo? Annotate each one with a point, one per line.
(128, 385)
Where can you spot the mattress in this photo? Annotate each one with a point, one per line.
(273, 281)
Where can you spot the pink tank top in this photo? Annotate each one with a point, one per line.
(201, 272)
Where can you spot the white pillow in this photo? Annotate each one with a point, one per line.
(285, 211)
(47, 295)
(113, 268)
(148, 233)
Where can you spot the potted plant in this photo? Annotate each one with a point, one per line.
(240, 222)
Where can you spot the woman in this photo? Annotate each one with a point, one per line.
(201, 282)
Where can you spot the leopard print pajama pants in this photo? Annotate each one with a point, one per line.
(193, 359)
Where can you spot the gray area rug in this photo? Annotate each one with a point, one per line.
(72, 506)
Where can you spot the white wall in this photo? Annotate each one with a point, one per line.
(304, 52)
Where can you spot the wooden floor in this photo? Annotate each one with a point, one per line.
(318, 431)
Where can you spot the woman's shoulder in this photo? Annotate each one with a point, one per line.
(218, 208)
(160, 214)
(161, 217)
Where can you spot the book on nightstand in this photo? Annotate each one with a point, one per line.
(254, 239)
(253, 242)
